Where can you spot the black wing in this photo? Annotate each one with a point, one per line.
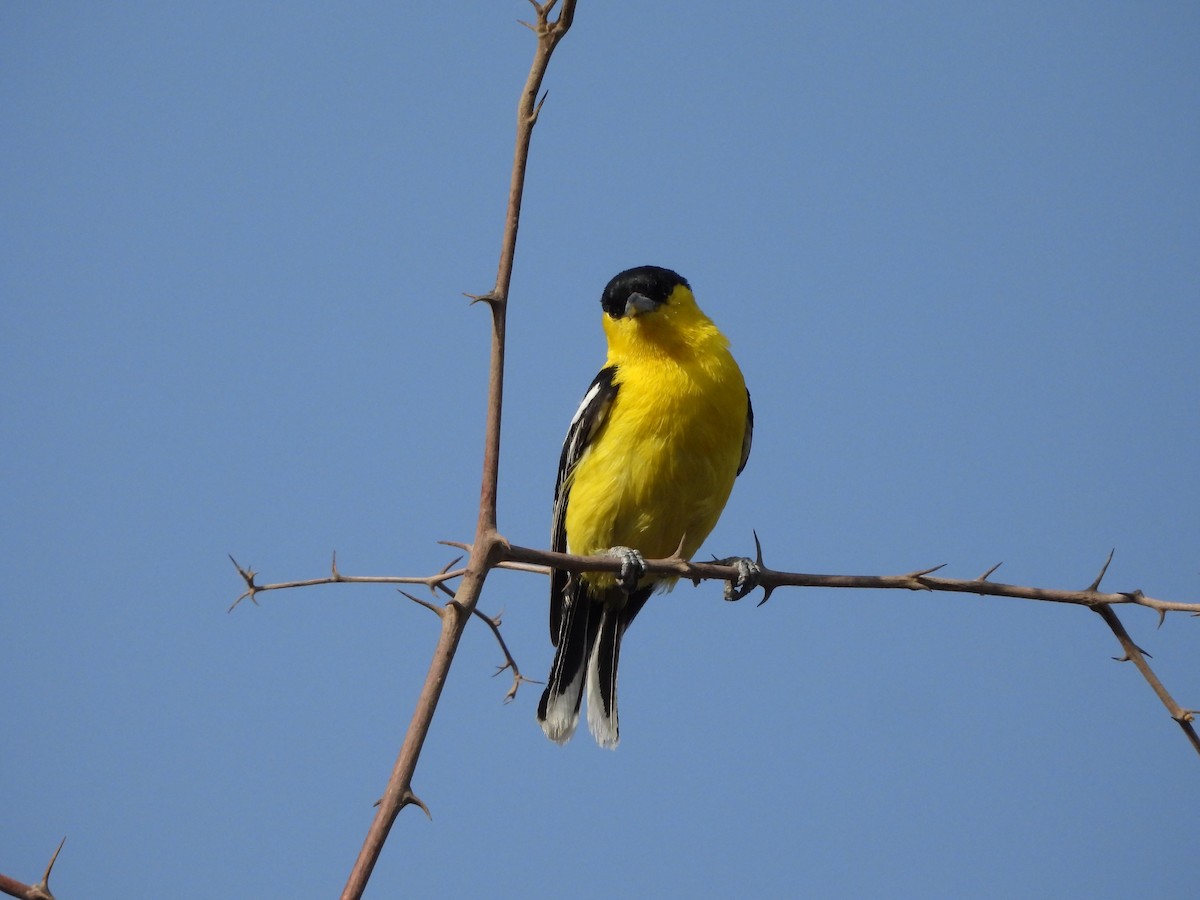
(748, 437)
(592, 413)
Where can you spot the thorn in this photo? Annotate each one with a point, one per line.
(250, 595)
(1095, 585)
(1128, 658)
(988, 574)
(1162, 617)
(437, 610)
(246, 573)
(1134, 596)
(543, 10)
(457, 545)
(916, 577)
(251, 588)
(411, 799)
(518, 680)
(677, 553)
(337, 576)
(44, 885)
(434, 586)
(677, 557)
(537, 110)
(768, 590)
(511, 694)
(489, 298)
(1186, 715)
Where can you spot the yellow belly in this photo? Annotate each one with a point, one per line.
(664, 465)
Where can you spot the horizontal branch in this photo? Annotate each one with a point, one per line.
(918, 580)
(530, 560)
(510, 556)
(253, 588)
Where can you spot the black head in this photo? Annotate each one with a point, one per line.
(652, 286)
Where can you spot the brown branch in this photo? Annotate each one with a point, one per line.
(488, 545)
(769, 580)
(489, 550)
(1137, 656)
(493, 623)
(509, 662)
(434, 582)
(541, 561)
(919, 580)
(530, 560)
(15, 888)
(253, 588)
(549, 32)
(39, 891)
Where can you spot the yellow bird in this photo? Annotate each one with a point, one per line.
(649, 460)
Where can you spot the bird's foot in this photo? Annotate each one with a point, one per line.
(749, 575)
(633, 567)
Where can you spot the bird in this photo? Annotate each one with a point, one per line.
(648, 463)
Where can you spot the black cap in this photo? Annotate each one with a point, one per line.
(653, 282)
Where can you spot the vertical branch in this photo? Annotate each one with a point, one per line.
(485, 552)
(549, 33)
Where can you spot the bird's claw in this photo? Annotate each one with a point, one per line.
(633, 567)
(749, 575)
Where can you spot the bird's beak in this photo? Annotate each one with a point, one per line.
(638, 304)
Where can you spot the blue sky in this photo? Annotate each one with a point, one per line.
(957, 250)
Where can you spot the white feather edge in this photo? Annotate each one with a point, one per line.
(602, 727)
(583, 405)
(562, 712)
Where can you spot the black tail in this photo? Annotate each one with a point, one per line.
(558, 711)
(589, 644)
(602, 679)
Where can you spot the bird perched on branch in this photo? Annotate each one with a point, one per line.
(647, 465)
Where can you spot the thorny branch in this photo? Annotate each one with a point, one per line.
(1137, 656)
(492, 622)
(489, 550)
(487, 547)
(39, 891)
(528, 559)
(917, 580)
(335, 577)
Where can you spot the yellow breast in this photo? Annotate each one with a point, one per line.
(662, 468)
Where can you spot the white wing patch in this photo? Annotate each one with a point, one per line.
(592, 413)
